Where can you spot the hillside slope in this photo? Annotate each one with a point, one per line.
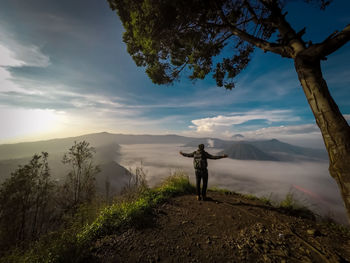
(227, 228)
(246, 151)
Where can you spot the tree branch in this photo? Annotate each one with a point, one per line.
(251, 11)
(255, 18)
(289, 37)
(331, 44)
(258, 42)
(176, 72)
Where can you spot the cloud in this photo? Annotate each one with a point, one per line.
(306, 135)
(260, 178)
(7, 58)
(15, 54)
(285, 130)
(211, 124)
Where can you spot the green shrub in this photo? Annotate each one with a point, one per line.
(289, 202)
(263, 199)
(293, 207)
(177, 183)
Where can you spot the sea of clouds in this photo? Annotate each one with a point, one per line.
(309, 182)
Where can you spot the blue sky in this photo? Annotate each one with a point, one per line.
(64, 71)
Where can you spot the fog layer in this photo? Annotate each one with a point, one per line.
(309, 182)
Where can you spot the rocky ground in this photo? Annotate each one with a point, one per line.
(226, 228)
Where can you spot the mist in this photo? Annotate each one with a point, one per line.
(309, 182)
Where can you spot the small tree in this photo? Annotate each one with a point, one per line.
(137, 183)
(24, 199)
(107, 189)
(80, 183)
(169, 36)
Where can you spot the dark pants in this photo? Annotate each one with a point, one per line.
(201, 174)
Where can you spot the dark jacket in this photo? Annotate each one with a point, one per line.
(200, 158)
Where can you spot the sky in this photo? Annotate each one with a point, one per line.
(65, 71)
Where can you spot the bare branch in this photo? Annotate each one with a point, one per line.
(224, 39)
(331, 44)
(288, 36)
(251, 11)
(176, 72)
(258, 42)
(255, 18)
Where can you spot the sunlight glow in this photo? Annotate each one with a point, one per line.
(29, 122)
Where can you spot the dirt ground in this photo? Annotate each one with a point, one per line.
(226, 228)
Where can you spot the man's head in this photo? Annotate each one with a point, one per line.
(201, 147)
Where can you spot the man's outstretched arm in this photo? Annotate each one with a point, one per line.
(215, 157)
(187, 154)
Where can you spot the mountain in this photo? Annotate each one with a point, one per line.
(108, 147)
(275, 148)
(246, 151)
(25, 149)
(275, 145)
(272, 150)
(237, 137)
(287, 152)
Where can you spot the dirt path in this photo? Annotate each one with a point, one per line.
(227, 228)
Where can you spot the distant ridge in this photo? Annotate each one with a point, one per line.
(263, 150)
(246, 151)
(237, 137)
(25, 149)
(276, 146)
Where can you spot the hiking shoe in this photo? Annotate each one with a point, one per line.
(199, 198)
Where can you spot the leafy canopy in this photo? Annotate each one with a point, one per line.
(200, 36)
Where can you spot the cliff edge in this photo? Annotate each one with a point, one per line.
(229, 227)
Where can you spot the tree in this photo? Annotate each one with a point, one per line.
(168, 36)
(24, 199)
(137, 183)
(80, 184)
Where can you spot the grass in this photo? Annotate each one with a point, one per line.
(118, 216)
(291, 206)
(264, 199)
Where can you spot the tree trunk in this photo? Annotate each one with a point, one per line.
(334, 128)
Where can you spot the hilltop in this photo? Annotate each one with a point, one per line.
(227, 228)
(167, 224)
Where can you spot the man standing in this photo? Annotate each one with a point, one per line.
(200, 165)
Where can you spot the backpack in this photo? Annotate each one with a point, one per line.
(200, 160)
